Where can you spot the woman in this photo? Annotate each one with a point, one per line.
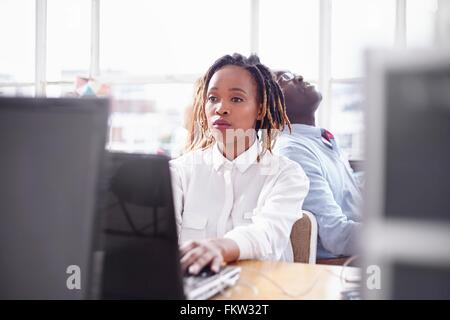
(233, 198)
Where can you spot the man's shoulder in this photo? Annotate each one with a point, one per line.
(286, 140)
(298, 147)
(283, 163)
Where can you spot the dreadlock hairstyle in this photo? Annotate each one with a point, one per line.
(269, 95)
(193, 126)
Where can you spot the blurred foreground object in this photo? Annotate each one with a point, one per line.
(407, 195)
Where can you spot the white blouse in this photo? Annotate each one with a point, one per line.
(253, 203)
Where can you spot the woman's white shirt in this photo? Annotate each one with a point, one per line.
(253, 203)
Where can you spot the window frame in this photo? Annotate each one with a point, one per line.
(325, 80)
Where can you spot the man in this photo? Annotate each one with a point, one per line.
(334, 196)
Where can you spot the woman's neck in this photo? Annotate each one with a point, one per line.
(233, 150)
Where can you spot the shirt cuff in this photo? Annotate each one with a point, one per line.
(244, 244)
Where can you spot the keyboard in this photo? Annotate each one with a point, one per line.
(207, 283)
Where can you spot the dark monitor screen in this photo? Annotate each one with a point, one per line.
(420, 281)
(140, 239)
(417, 117)
(51, 152)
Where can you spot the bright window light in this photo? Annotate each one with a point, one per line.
(289, 36)
(17, 34)
(171, 36)
(420, 22)
(68, 39)
(355, 26)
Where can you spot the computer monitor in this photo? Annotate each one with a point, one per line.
(51, 154)
(139, 236)
(406, 239)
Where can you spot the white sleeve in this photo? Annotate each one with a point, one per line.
(268, 235)
(177, 191)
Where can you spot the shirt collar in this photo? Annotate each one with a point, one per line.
(242, 162)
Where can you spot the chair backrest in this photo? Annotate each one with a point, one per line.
(304, 238)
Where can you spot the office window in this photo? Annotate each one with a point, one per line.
(17, 90)
(420, 22)
(357, 25)
(17, 35)
(157, 41)
(347, 118)
(149, 118)
(171, 37)
(153, 51)
(60, 90)
(68, 39)
(289, 36)
(372, 24)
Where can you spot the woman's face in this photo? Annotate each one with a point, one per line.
(231, 103)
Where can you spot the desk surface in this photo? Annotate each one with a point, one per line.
(263, 279)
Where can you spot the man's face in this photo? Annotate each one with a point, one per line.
(297, 93)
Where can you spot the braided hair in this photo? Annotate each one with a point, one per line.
(269, 95)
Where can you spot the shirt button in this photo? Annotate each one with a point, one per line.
(228, 166)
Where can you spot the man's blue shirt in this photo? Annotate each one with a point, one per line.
(334, 195)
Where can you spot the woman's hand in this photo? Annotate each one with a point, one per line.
(195, 255)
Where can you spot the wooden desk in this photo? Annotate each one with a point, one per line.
(311, 281)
